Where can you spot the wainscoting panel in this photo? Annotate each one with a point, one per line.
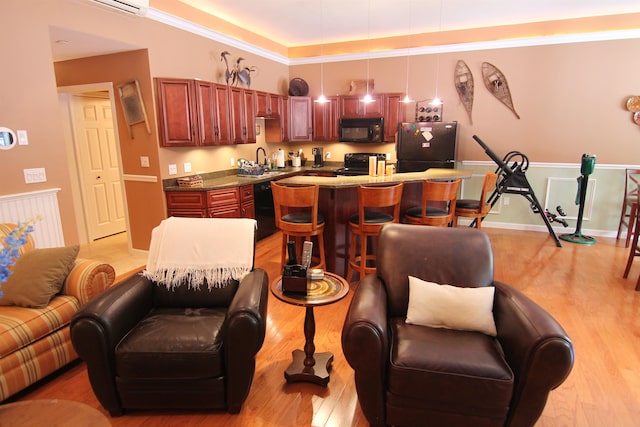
(15, 208)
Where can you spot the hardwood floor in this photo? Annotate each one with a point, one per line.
(580, 285)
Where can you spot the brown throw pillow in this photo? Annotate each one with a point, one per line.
(37, 276)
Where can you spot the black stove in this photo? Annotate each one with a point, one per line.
(357, 164)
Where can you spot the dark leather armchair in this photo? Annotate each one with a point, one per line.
(147, 347)
(407, 374)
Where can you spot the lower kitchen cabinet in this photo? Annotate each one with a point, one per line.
(247, 204)
(236, 202)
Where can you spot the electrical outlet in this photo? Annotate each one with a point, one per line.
(144, 161)
(173, 169)
(232, 161)
(506, 200)
(187, 167)
(34, 175)
(388, 156)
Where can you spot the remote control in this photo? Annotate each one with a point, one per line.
(306, 254)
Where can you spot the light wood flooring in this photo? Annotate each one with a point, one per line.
(581, 285)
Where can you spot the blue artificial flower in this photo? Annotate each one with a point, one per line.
(11, 247)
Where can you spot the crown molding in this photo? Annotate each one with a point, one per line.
(208, 33)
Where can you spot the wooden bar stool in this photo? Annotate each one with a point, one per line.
(296, 211)
(377, 206)
(438, 204)
(634, 250)
(629, 210)
(477, 209)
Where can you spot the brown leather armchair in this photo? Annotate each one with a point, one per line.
(147, 347)
(408, 374)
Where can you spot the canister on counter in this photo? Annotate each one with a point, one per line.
(372, 165)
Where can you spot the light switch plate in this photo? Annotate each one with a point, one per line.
(173, 169)
(187, 167)
(144, 161)
(23, 139)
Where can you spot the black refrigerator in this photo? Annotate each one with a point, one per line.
(424, 145)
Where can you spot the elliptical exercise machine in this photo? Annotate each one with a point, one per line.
(512, 180)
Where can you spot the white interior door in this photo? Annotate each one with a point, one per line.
(97, 155)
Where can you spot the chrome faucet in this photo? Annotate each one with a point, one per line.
(263, 152)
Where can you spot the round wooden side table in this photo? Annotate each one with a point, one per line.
(308, 365)
(58, 412)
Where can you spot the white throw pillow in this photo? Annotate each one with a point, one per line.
(451, 307)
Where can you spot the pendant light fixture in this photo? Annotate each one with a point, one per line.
(367, 98)
(436, 100)
(322, 99)
(407, 99)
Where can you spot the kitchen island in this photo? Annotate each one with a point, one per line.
(339, 200)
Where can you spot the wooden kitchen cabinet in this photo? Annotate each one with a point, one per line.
(275, 110)
(235, 202)
(222, 131)
(224, 203)
(177, 118)
(386, 105)
(247, 203)
(284, 118)
(394, 113)
(242, 115)
(352, 106)
(300, 116)
(267, 104)
(191, 204)
(325, 120)
(191, 113)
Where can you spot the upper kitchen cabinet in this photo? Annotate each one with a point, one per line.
(385, 105)
(393, 113)
(268, 105)
(284, 118)
(352, 106)
(275, 111)
(177, 119)
(300, 116)
(242, 115)
(222, 130)
(325, 119)
(191, 113)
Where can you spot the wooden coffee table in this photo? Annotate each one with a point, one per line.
(308, 365)
(49, 412)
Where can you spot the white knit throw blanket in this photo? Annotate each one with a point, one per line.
(195, 250)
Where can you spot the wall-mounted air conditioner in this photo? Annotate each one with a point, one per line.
(134, 7)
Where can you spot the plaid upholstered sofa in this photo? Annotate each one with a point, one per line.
(35, 342)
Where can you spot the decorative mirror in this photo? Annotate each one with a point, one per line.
(8, 139)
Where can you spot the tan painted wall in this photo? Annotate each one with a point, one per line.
(119, 69)
(570, 97)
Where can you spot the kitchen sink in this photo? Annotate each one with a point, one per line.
(266, 174)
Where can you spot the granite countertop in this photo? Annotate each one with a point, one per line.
(230, 178)
(353, 181)
(290, 175)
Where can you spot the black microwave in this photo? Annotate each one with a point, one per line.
(369, 129)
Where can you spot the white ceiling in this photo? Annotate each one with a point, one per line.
(303, 22)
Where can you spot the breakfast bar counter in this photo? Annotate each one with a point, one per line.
(339, 200)
(337, 182)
